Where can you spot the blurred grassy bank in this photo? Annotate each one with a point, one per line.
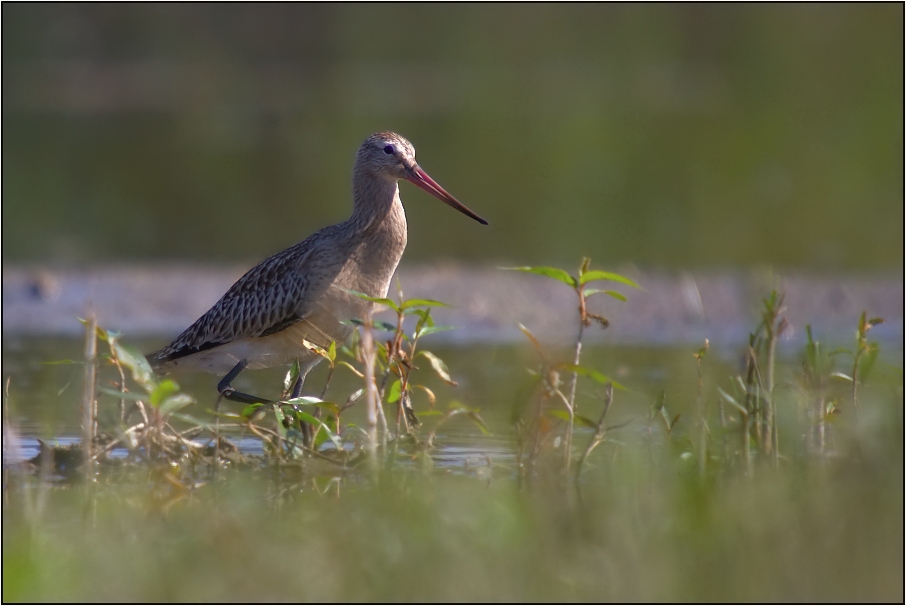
(640, 531)
(643, 524)
(667, 136)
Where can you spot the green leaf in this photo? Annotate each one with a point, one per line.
(165, 389)
(385, 326)
(732, 401)
(422, 303)
(550, 272)
(332, 352)
(559, 414)
(439, 367)
(137, 364)
(174, 403)
(108, 336)
(251, 410)
(304, 416)
(616, 295)
(321, 436)
(379, 324)
(585, 421)
(278, 412)
(606, 275)
(840, 375)
(289, 381)
(382, 300)
(312, 401)
(424, 320)
(591, 374)
(562, 414)
(424, 315)
(394, 394)
(430, 330)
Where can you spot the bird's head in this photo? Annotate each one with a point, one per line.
(390, 156)
(387, 155)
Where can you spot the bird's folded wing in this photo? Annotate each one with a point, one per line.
(269, 298)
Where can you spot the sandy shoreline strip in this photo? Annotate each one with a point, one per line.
(674, 308)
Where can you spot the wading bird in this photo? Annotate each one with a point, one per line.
(302, 293)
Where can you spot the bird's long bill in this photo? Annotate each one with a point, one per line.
(421, 179)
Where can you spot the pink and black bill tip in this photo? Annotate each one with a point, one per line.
(420, 179)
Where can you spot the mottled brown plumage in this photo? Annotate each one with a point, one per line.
(302, 293)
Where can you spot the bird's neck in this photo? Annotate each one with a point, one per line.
(378, 235)
(375, 201)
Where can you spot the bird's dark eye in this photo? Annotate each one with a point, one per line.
(389, 150)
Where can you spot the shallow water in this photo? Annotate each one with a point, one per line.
(45, 384)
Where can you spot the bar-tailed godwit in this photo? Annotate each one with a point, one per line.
(302, 293)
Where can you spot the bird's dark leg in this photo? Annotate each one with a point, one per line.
(297, 387)
(226, 390)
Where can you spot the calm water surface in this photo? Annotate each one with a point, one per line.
(45, 383)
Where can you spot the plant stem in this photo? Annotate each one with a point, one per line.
(88, 394)
(371, 396)
(568, 442)
(571, 401)
(703, 436)
(856, 379)
(820, 422)
(599, 430)
(746, 454)
(576, 355)
(768, 443)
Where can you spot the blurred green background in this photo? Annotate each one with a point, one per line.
(667, 136)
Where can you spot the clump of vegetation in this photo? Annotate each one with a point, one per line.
(754, 393)
(152, 425)
(533, 421)
(706, 491)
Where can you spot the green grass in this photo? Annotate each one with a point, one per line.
(638, 529)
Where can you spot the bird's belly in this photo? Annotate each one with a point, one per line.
(278, 349)
(323, 325)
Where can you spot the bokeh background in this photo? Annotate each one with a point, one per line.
(667, 136)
